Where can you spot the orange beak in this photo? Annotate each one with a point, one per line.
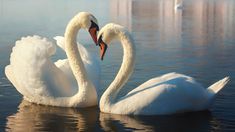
(103, 48)
(93, 33)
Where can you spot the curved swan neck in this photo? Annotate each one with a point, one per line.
(124, 72)
(73, 54)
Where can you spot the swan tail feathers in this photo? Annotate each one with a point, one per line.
(216, 87)
(212, 91)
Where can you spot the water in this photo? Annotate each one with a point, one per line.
(197, 41)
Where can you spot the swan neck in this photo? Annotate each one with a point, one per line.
(127, 66)
(73, 54)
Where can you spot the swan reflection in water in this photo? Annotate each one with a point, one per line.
(33, 117)
(194, 121)
(114, 122)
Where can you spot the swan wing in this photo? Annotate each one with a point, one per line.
(60, 42)
(167, 94)
(91, 62)
(32, 72)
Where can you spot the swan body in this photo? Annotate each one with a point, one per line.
(41, 81)
(168, 94)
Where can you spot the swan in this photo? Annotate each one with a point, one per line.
(168, 94)
(178, 5)
(40, 81)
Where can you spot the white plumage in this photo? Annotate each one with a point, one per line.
(91, 62)
(168, 94)
(42, 81)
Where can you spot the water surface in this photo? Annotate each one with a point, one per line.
(197, 41)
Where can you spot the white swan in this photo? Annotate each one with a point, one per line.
(168, 94)
(178, 5)
(41, 81)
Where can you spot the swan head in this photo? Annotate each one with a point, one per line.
(89, 22)
(108, 33)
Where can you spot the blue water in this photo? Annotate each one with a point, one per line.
(198, 41)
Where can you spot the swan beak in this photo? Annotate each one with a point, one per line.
(103, 48)
(93, 33)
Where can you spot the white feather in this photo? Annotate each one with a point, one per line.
(168, 94)
(41, 81)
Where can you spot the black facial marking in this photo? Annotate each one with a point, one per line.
(94, 25)
(100, 40)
